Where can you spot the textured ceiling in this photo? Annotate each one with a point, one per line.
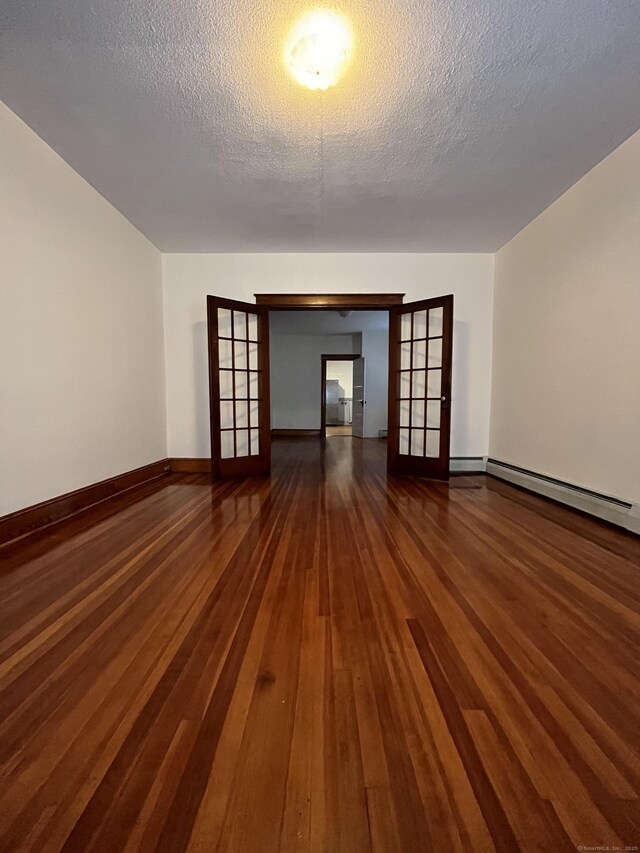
(457, 122)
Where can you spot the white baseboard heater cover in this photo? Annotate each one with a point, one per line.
(468, 464)
(610, 509)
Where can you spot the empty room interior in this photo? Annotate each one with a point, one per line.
(319, 426)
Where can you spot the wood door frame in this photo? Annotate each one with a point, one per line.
(323, 408)
(329, 301)
(348, 302)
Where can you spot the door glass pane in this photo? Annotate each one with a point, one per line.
(240, 325)
(404, 441)
(254, 413)
(433, 442)
(405, 355)
(404, 413)
(405, 327)
(434, 383)
(417, 413)
(435, 322)
(225, 353)
(418, 383)
(253, 356)
(226, 444)
(254, 386)
(255, 442)
(226, 384)
(226, 414)
(405, 384)
(420, 324)
(435, 353)
(433, 413)
(253, 327)
(419, 355)
(242, 413)
(241, 355)
(241, 385)
(242, 442)
(417, 442)
(224, 323)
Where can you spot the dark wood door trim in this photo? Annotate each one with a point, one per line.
(325, 358)
(330, 301)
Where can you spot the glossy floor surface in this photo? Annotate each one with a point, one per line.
(321, 660)
(345, 429)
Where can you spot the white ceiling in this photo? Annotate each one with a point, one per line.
(457, 123)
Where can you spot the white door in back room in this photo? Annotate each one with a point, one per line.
(359, 398)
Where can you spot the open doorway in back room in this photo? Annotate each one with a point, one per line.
(338, 397)
(318, 355)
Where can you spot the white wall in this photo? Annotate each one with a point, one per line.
(296, 382)
(566, 377)
(187, 279)
(82, 393)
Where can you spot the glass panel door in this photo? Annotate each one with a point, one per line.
(239, 388)
(420, 351)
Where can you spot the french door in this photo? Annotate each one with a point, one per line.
(420, 351)
(239, 387)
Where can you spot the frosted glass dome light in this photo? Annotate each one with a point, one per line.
(318, 50)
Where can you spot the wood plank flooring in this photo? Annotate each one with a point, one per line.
(320, 661)
(343, 429)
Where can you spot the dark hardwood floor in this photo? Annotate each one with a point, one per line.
(321, 660)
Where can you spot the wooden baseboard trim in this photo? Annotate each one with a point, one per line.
(33, 518)
(295, 433)
(194, 465)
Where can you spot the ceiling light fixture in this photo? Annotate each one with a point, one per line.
(318, 50)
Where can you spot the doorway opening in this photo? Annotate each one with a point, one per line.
(337, 398)
(418, 340)
(329, 373)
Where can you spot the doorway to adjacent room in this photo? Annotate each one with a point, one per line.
(329, 373)
(337, 399)
(417, 372)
